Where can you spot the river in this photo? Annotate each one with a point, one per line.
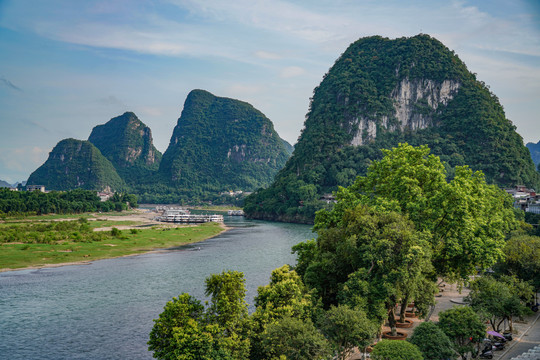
(104, 310)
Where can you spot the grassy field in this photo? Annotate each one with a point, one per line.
(46, 242)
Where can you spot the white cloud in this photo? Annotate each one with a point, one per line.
(291, 71)
(150, 111)
(267, 55)
(242, 91)
(17, 159)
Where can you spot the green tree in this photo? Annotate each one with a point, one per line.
(346, 329)
(294, 339)
(461, 216)
(185, 331)
(180, 332)
(371, 257)
(462, 326)
(523, 258)
(499, 300)
(228, 309)
(432, 342)
(396, 350)
(284, 296)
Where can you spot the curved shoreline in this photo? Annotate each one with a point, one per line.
(143, 218)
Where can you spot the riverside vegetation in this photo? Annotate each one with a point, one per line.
(388, 239)
(31, 238)
(48, 241)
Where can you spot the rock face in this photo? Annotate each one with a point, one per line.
(74, 164)
(535, 152)
(415, 103)
(381, 92)
(127, 142)
(222, 144)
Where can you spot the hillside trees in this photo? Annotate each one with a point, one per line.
(74, 201)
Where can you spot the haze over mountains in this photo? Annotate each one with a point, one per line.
(535, 152)
(219, 144)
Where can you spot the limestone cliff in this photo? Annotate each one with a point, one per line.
(76, 164)
(127, 142)
(415, 103)
(381, 92)
(222, 144)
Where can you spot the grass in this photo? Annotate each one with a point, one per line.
(127, 242)
(50, 217)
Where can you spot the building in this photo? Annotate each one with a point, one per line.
(40, 188)
(525, 199)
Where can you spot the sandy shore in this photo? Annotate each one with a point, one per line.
(142, 218)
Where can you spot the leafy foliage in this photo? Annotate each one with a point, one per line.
(347, 328)
(294, 338)
(184, 330)
(75, 164)
(471, 128)
(499, 300)
(463, 326)
(75, 201)
(396, 350)
(432, 342)
(523, 258)
(465, 219)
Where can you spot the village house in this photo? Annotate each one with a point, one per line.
(40, 188)
(525, 199)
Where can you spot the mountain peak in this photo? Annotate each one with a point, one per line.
(76, 164)
(381, 92)
(127, 142)
(222, 143)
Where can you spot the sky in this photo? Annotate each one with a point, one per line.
(67, 66)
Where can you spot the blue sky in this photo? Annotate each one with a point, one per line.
(67, 66)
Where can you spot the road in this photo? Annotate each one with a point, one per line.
(529, 338)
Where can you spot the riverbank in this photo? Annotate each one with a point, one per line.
(116, 235)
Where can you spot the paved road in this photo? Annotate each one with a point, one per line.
(525, 341)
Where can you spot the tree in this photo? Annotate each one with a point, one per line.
(181, 333)
(432, 342)
(228, 309)
(346, 329)
(185, 331)
(523, 258)
(380, 250)
(466, 219)
(284, 296)
(396, 350)
(462, 326)
(499, 300)
(294, 339)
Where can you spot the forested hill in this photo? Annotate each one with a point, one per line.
(76, 164)
(127, 142)
(222, 144)
(535, 152)
(381, 92)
